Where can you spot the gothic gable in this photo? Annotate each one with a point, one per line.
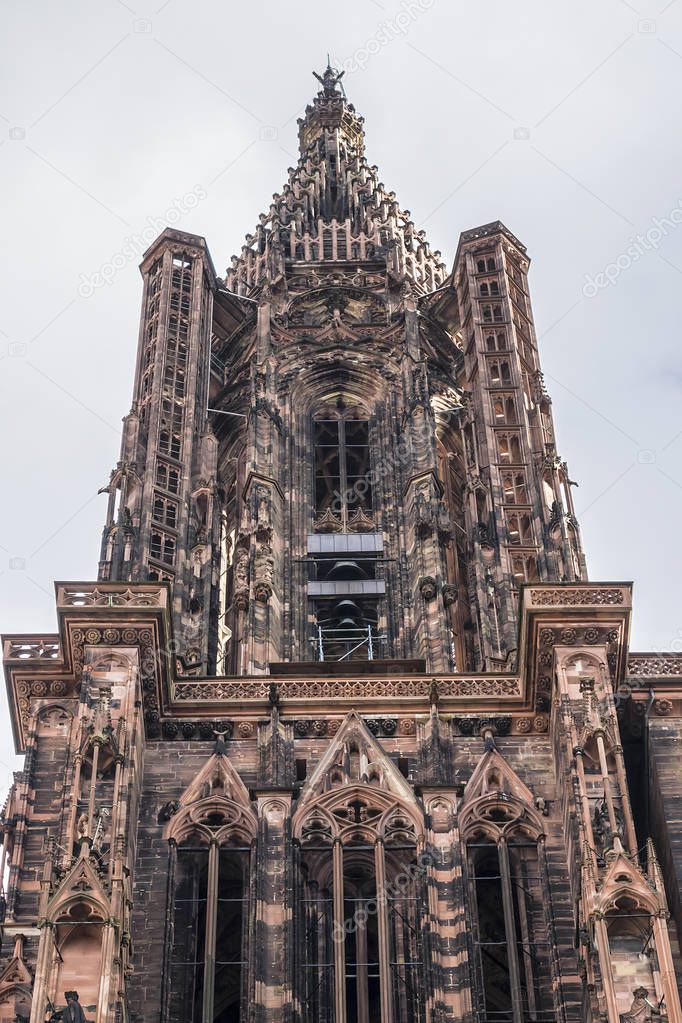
(80, 887)
(15, 973)
(496, 801)
(216, 778)
(493, 775)
(625, 884)
(355, 757)
(215, 805)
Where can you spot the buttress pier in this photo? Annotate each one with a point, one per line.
(342, 732)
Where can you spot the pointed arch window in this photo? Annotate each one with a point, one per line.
(509, 448)
(210, 926)
(361, 898)
(514, 486)
(168, 478)
(343, 483)
(507, 883)
(210, 877)
(525, 568)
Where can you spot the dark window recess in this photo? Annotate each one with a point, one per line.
(342, 465)
(301, 769)
(511, 953)
(188, 953)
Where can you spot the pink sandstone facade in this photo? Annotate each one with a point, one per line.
(342, 733)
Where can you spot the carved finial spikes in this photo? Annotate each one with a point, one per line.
(653, 867)
(101, 720)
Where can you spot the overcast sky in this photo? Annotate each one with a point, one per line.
(561, 120)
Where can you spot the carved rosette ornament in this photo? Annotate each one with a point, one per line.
(499, 725)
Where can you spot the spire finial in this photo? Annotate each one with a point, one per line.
(330, 79)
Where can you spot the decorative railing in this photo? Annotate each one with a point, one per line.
(23, 648)
(578, 595)
(655, 665)
(357, 689)
(110, 595)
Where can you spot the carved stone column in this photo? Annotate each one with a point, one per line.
(383, 928)
(210, 939)
(273, 909)
(338, 936)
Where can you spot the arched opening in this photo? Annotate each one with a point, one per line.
(492, 936)
(363, 986)
(78, 945)
(509, 933)
(360, 923)
(189, 931)
(208, 937)
(632, 955)
(231, 930)
(342, 464)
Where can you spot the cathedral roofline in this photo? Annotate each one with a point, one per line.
(94, 616)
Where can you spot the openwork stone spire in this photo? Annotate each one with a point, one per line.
(334, 208)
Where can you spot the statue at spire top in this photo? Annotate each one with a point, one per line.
(330, 79)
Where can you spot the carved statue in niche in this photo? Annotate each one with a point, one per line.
(73, 1013)
(641, 1009)
(265, 564)
(241, 565)
(555, 517)
(264, 568)
(98, 843)
(601, 825)
(263, 519)
(82, 826)
(443, 524)
(483, 535)
(424, 516)
(260, 385)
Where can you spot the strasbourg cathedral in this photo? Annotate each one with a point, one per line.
(342, 733)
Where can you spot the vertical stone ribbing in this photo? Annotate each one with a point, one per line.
(163, 521)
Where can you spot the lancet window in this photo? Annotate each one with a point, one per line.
(342, 464)
(361, 900)
(208, 936)
(507, 888)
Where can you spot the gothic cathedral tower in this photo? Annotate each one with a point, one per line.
(342, 733)
(342, 445)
